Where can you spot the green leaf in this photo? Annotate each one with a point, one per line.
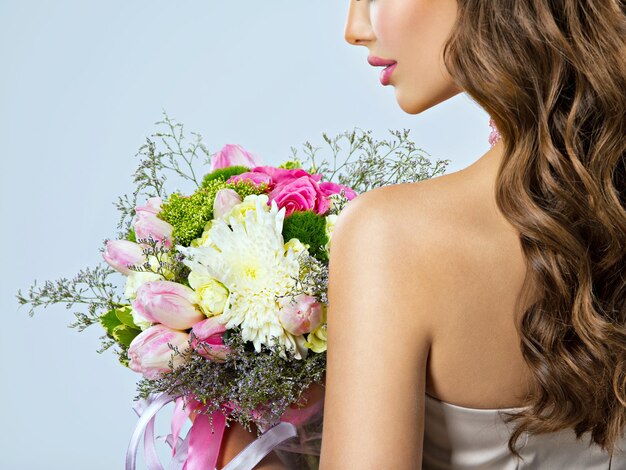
(125, 316)
(125, 334)
(131, 235)
(110, 321)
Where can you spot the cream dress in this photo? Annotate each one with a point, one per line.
(456, 437)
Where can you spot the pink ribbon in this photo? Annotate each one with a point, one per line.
(200, 448)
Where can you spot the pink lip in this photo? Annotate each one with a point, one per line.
(385, 74)
(378, 61)
(389, 65)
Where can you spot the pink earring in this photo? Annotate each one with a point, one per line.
(494, 136)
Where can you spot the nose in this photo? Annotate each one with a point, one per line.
(358, 29)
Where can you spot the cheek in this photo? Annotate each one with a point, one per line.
(398, 25)
(411, 30)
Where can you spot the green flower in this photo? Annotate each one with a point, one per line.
(291, 164)
(190, 214)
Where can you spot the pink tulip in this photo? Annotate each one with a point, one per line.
(225, 200)
(149, 352)
(328, 188)
(152, 206)
(208, 339)
(147, 225)
(302, 315)
(169, 303)
(299, 194)
(231, 155)
(120, 253)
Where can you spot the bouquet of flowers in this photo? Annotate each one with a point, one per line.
(224, 306)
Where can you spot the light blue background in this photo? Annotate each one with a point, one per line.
(82, 84)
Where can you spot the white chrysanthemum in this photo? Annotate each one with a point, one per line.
(250, 258)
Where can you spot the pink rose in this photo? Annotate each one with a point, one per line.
(233, 155)
(150, 354)
(254, 176)
(120, 253)
(299, 194)
(280, 175)
(209, 339)
(169, 303)
(329, 188)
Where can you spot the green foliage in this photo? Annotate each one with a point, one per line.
(131, 236)
(109, 320)
(224, 173)
(119, 325)
(309, 228)
(124, 334)
(125, 316)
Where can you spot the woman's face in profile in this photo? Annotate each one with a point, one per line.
(411, 33)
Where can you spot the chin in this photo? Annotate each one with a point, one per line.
(412, 106)
(417, 103)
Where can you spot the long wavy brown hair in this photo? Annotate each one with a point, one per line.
(552, 75)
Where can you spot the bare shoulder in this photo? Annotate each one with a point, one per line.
(430, 232)
(417, 216)
(403, 230)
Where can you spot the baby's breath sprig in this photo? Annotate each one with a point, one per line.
(169, 261)
(252, 380)
(339, 202)
(378, 162)
(312, 278)
(164, 151)
(89, 287)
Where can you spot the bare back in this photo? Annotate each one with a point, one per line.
(475, 359)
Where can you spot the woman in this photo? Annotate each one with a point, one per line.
(499, 290)
(500, 287)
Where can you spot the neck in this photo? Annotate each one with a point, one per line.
(489, 162)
